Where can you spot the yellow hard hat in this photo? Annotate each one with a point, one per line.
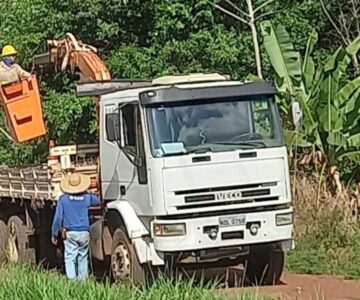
(8, 50)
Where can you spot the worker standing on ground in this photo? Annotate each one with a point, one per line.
(72, 219)
(9, 70)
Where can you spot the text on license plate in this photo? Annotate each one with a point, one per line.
(232, 221)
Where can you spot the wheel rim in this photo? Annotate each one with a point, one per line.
(120, 263)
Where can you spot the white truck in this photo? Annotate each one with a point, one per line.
(192, 171)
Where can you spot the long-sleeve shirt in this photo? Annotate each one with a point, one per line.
(72, 212)
(9, 74)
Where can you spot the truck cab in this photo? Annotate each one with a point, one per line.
(194, 171)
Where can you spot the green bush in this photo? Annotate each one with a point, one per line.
(326, 232)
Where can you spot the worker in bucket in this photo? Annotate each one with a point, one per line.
(9, 70)
(72, 220)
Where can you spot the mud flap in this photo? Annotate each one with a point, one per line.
(100, 240)
(96, 245)
(288, 245)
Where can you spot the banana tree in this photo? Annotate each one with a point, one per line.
(330, 102)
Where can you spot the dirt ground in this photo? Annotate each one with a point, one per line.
(305, 287)
(292, 286)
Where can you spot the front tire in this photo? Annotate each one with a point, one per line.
(265, 264)
(125, 265)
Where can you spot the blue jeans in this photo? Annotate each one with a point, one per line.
(76, 254)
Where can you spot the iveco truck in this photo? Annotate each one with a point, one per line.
(192, 171)
(195, 171)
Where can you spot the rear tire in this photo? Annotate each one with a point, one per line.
(265, 264)
(4, 240)
(17, 228)
(125, 266)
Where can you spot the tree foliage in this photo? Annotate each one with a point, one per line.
(329, 98)
(140, 39)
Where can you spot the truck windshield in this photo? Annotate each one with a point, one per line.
(216, 125)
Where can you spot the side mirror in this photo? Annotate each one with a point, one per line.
(138, 161)
(296, 114)
(112, 124)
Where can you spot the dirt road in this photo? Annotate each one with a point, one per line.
(305, 287)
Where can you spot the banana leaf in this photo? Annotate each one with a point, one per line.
(308, 66)
(283, 57)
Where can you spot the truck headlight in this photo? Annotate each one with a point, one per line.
(169, 229)
(284, 219)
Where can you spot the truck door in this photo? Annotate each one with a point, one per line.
(123, 163)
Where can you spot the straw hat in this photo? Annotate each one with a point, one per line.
(75, 183)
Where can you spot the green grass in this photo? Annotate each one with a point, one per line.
(327, 235)
(23, 282)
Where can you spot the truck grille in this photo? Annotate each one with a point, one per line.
(211, 197)
(242, 201)
(224, 188)
(216, 196)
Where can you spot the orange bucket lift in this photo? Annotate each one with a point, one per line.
(22, 106)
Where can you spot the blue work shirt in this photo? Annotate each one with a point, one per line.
(72, 212)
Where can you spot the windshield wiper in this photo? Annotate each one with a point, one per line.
(200, 149)
(259, 144)
(174, 153)
(195, 150)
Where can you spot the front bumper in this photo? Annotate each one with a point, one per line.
(197, 235)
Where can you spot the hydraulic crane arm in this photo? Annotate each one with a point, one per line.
(69, 53)
(80, 58)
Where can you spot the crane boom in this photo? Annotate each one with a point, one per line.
(81, 58)
(69, 53)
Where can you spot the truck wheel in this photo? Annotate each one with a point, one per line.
(4, 240)
(265, 265)
(125, 265)
(20, 239)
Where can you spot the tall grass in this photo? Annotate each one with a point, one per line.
(327, 234)
(23, 282)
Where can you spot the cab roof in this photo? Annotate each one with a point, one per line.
(174, 88)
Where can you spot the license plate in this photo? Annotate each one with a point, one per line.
(232, 221)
